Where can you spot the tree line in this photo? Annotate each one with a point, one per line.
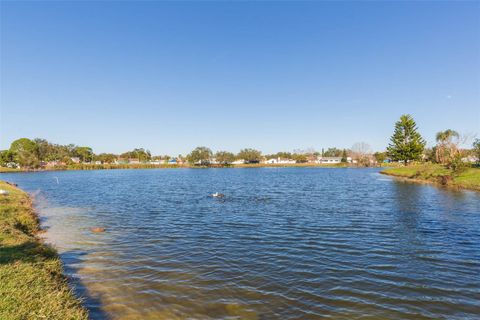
(28, 153)
(406, 146)
(33, 153)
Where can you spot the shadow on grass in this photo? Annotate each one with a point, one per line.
(33, 252)
(29, 252)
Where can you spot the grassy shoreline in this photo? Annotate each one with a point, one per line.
(469, 178)
(32, 284)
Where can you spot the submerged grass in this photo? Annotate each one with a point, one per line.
(32, 285)
(468, 178)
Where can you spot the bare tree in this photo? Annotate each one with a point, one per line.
(447, 145)
(362, 153)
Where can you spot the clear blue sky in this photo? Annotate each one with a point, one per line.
(170, 76)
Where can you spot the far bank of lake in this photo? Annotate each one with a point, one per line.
(107, 166)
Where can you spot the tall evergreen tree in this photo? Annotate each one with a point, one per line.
(406, 143)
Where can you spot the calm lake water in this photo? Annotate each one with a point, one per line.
(285, 243)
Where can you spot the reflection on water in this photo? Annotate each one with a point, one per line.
(285, 243)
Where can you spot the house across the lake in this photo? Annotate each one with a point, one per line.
(280, 161)
(332, 160)
(470, 159)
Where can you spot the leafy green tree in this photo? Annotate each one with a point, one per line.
(106, 157)
(6, 156)
(284, 155)
(299, 158)
(429, 154)
(66, 160)
(250, 155)
(333, 152)
(224, 157)
(161, 158)
(344, 156)
(84, 153)
(457, 165)
(476, 149)
(25, 152)
(60, 153)
(143, 154)
(44, 149)
(200, 155)
(380, 156)
(406, 143)
(70, 149)
(138, 153)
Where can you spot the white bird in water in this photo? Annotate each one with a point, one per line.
(218, 195)
(56, 178)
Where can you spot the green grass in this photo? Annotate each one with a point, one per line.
(5, 169)
(32, 285)
(468, 178)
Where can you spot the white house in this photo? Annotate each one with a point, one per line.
(13, 165)
(239, 161)
(280, 161)
(286, 161)
(329, 160)
(332, 160)
(470, 159)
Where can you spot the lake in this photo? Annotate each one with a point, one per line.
(284, 243)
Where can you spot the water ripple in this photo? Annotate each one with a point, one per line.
(301, 243)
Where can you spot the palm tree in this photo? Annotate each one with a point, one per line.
(446, 146)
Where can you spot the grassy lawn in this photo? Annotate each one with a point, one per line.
(469, 178)
(31, 282)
